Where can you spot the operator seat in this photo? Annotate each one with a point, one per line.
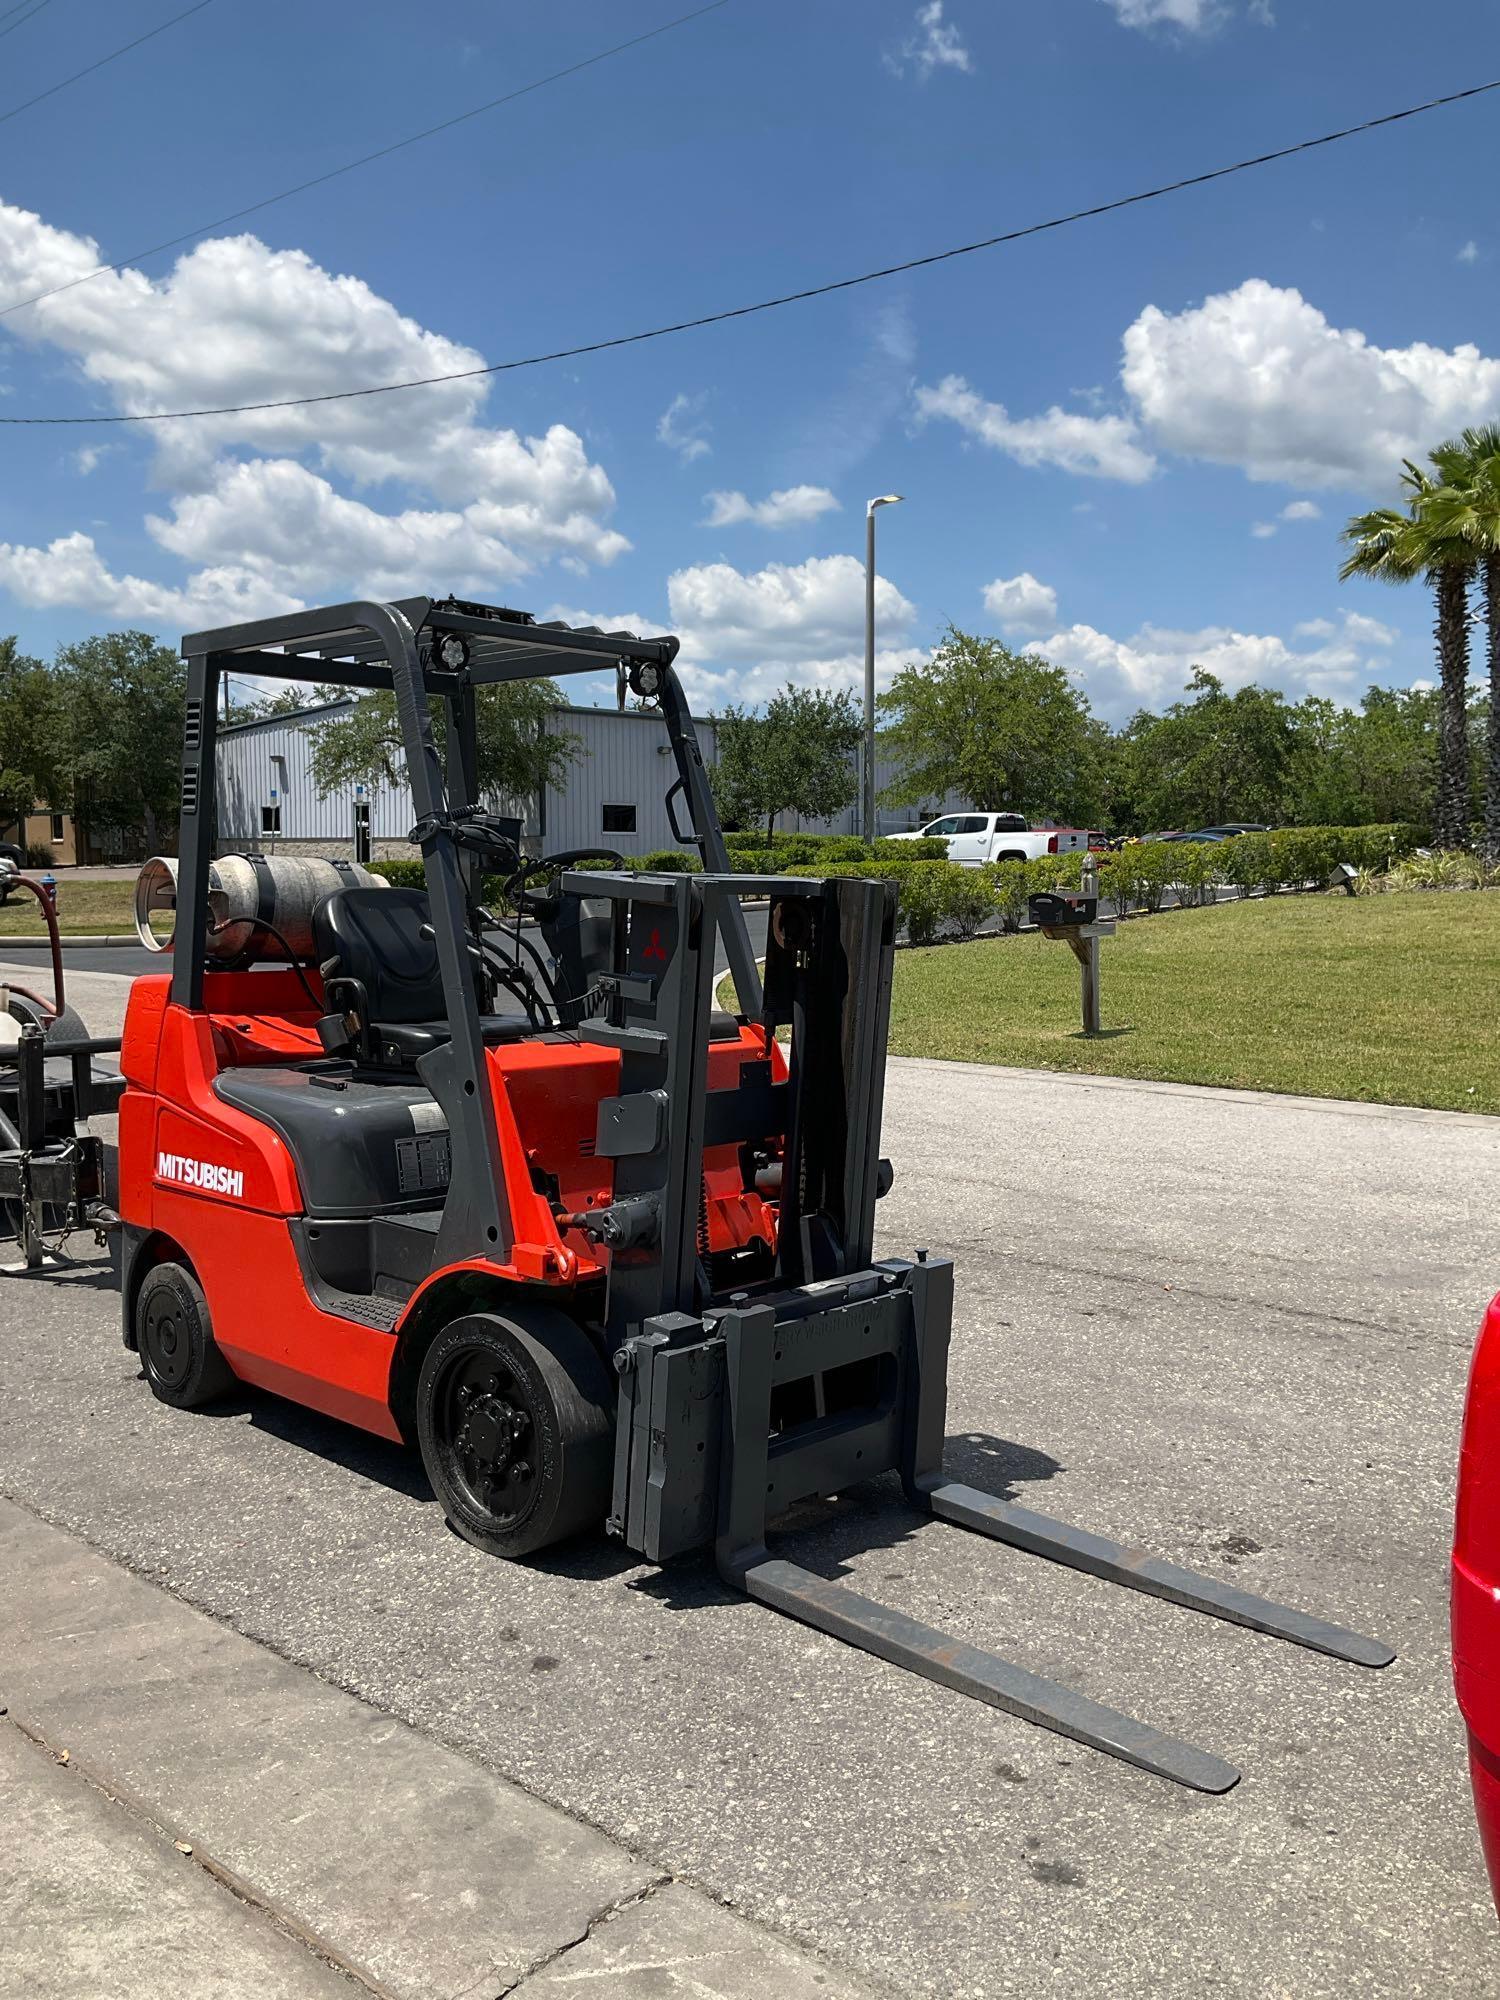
(379, 962)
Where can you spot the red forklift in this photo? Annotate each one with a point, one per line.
(509, 1186)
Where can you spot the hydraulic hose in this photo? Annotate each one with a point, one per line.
(49, 917)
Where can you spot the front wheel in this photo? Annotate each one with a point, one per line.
(515, 1419)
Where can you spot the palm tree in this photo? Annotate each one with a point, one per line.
(1395, 547)
(1468, 506)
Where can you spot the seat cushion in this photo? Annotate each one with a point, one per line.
(402, 1042)
(381, 937)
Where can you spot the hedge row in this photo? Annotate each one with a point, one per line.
(942, 899)
(938, 898)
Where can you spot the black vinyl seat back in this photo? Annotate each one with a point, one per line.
(382, 938)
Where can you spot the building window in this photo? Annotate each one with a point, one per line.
(57, 826)
(270, 819)
(619, 819)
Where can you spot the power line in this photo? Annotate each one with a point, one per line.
(787, 298)
(20, 8)
(364, 160)
(114, 56)
(36, 8)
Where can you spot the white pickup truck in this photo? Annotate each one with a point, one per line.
(975, 838)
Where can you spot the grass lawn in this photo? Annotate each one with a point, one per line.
(84, 908)
(1386, 998)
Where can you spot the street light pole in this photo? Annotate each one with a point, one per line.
(868, 814)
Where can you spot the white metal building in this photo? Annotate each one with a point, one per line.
(612, 794)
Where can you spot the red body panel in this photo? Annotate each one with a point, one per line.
(1476, 1585)
(222, 1185)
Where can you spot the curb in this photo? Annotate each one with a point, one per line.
(68, 942)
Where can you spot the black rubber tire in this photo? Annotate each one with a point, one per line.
(539, 1369)
(175, 1340)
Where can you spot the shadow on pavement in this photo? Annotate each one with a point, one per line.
(828, 1536)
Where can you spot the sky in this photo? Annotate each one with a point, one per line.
(1130, 443)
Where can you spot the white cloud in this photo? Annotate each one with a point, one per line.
(786, 611)
(788, 508)
(1470, 253)
(1095, 447)
(744, 635)
(1021, 603)
(1195, 17)
(1368, 631)
(936, 44)
(71, 572)
(681, 426)
(1258, 378)
(1154, 665)
(237, 322)
(1298, 510)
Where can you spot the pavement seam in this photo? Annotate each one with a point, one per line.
(195, 1856)
(602, 1916)
(1394, 1327)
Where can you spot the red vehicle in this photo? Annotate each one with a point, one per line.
(1476, 1586)
(604, 1253)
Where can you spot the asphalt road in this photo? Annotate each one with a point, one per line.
(1234, 1328)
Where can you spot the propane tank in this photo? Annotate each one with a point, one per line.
(245, 893)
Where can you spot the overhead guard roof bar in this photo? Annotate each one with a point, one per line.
(346, 653)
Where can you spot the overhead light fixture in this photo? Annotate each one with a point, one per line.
(451, 652)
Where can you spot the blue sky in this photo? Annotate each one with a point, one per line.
(1131, 442)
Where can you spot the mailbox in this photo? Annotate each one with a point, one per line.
(1064, 909)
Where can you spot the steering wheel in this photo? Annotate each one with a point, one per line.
(545, 908)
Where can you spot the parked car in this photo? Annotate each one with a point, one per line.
(975, 838)
(1213, 833)
(12, 860)
(1476, 1586)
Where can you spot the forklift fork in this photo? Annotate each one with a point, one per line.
(752, 1346)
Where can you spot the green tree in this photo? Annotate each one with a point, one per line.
(796, 757)
(517, 755)
(1212, 758)
(1467, 507)
(1373, 765)
(1394, 547)
(120, 702)
(1007, 731)
(29, 736)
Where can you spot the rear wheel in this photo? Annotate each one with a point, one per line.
(515, 1418)
(175, 1340)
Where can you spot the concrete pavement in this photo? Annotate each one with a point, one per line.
(94, 1900)
(228, 1823)
(1232, 1327)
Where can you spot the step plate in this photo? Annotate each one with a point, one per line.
(1139, 1570)
(905, 1642)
